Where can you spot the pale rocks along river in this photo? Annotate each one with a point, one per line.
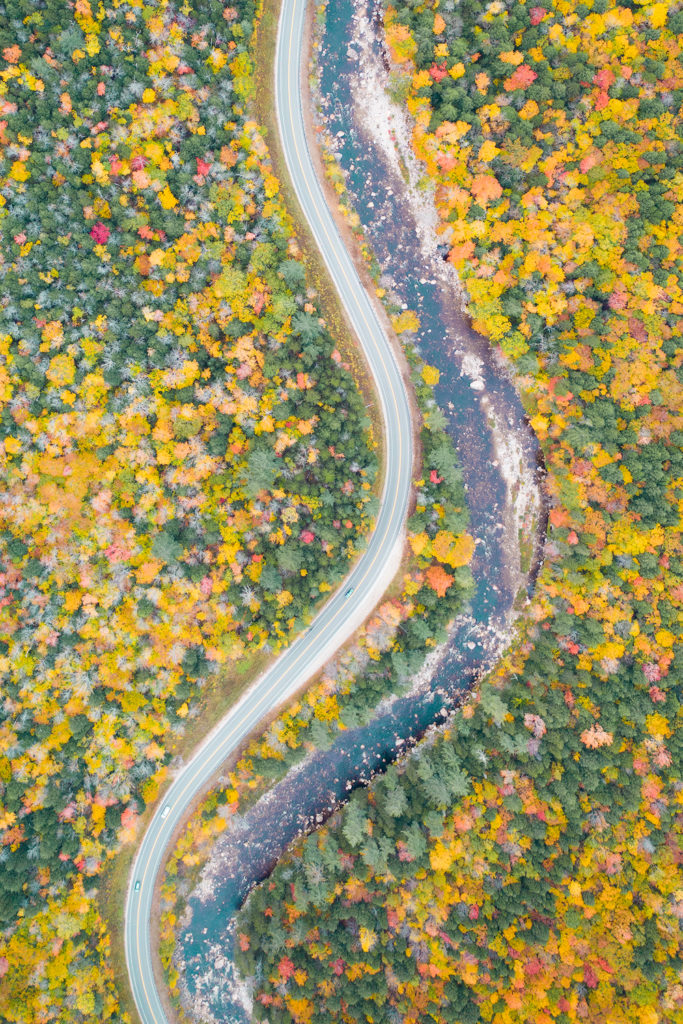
(502, 472)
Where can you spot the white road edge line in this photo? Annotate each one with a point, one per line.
(371, 575)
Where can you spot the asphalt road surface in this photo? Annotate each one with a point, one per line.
(372, 573)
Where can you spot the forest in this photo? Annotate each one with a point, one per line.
(382, 660)
(526, 863)
(187, 465)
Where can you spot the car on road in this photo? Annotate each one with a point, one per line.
(347, 593)
(137, 885)
(166, 811)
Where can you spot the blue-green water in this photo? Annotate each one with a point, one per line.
(250, 847)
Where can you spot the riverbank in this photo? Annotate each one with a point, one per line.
(350, 355)
(241, 848)
(525, 864)
(347, 727)
(370, 137)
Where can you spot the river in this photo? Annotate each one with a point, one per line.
(499, 457)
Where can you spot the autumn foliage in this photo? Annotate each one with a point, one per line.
(526, 865)
(186, 465)
(381, 660)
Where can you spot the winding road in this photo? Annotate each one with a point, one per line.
(364, 586)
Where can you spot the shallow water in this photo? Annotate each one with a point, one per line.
(252, 844)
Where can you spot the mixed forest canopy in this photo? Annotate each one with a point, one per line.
(526, 865)
(383, 659)
(185, 458)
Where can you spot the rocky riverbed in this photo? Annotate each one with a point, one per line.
(503, 478)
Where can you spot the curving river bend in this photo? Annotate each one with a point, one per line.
(500, 461)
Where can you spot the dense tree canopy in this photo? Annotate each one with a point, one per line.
(526, 866)
(186, 464)
(380, 660)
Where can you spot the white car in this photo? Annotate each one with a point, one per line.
(166, 811)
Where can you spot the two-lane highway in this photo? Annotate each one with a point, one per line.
(364, 585)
